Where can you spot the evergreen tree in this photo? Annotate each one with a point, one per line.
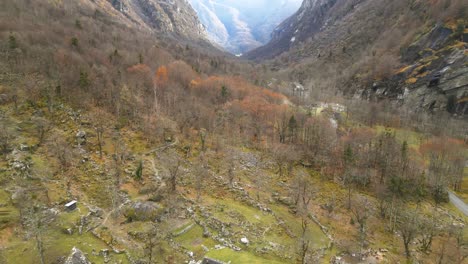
(292, 126)
(139, 171)
(224, 93)
(12, 42)
(84, 81)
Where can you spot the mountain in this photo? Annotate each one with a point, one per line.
(126, 138)
(306, 22)
(378, 49)
(174, 17)
(239, 26)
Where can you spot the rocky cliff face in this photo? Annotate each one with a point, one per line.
(436, 78)
(175, 17)
(378, 49)
(242, 25)
(305, 23)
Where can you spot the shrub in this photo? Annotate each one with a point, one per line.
(12, 42)
(139, 171)
(74, 42)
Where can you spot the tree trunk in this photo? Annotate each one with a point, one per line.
(406, 242)
(349, 196)
(40, 248)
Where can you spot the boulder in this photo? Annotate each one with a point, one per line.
(4, 98)
(95, 211)
(67, 231)
(24, 147)
(211, 261)
(244, 241)
(142, 211)
(81, 137)
(77, 257)
(286, 200)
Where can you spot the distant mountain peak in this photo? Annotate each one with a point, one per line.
(241, 25)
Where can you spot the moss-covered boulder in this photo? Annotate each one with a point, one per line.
(142, 211)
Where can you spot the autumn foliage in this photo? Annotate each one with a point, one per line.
(161, 77)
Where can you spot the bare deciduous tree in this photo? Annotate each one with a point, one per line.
(305, 243)
(409, 228)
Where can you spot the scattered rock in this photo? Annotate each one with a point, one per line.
(190, 210)
(205, 248)
(95, 211)
(104, 252)
(68, 231)
(81, 137)
(185, 230)
(24, 147)
(211, 261)
(244, 241)
(274, 245)
(218, 247)
(206, 233)
(77, 257)
(288, 201)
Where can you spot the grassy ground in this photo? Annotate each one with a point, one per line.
(413, 138)
(273, 236)
(463, 193)
(8, 213)
(243, 257)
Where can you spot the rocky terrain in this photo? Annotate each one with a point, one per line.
(126, 138)
(175, 17)
(354, 37)
(435, 78)
(304, 24)
(240, 26)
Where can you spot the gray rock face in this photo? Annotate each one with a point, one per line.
(305, 23)
(241, 25)
(174, 17)
(436, 77)
(435, 39)
(444, 86)
(77, 257)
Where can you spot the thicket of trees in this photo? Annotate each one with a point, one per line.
(166, 90)
(149, 86)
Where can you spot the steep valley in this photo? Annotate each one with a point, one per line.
(127, 137)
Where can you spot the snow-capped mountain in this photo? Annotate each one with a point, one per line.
(242, 25)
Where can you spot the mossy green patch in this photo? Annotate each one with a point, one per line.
(56, 191)
(135, 142)
(314, 234)
(251, 214)
(56, 245)
(241, 257)
(8, 213)
(463, 193)
(413, 138)
(194, 241)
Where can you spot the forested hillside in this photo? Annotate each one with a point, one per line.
(177, 153)
(411, 52)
